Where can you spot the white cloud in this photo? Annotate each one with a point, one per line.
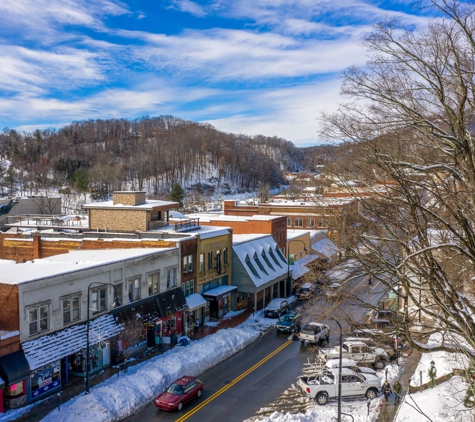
(189, 7)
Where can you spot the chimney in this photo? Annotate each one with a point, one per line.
(36, 247)
(129, 198)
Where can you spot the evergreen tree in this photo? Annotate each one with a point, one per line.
(177, 194)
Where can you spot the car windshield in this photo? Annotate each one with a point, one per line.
(287, 318)
(175, 389)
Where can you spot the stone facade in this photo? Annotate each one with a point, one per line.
(129, 198)
(118, 220)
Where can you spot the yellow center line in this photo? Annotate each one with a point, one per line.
(228, 386)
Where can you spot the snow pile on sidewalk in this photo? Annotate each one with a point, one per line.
(121, 396)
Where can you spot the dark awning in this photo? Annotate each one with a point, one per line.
(171, 301)
(145, 309)
(14, 367)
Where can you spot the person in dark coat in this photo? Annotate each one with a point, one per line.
(386, 390)
(397, 391)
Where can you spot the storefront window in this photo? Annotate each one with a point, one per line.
(45, 378)
(169, 327)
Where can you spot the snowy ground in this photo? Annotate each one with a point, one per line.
(144, 381)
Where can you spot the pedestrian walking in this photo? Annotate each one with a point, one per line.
(397, 392)
(386, 389)
(370, 280)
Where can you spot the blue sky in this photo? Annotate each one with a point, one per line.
(246, 66)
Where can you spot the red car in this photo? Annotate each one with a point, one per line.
(177, 394)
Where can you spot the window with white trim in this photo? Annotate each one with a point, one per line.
(38, 319)
(99, 300)
(298, 222)
(71, 309)
(310, 222)
(188, 264)
(289, 222)
(188, 287)
(171, 277)
(153, 280)
(133, 289)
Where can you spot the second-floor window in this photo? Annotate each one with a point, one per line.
(322, 223)
(99, 300)
(298, 222)
(225, 256)
(202, 262)
(38, 319)
(188, 264)
(171, 278)
(289, 222)
(310, 222)
(188, 287)
(210, 260)
(133, 289)
(153, 280)
(71, 310)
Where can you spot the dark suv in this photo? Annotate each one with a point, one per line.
(288, 323)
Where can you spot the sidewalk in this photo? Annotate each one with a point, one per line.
(389, 410)
(77, 386)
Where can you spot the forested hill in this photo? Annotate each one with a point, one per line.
(150, 153)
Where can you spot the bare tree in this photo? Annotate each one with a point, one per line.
(411, 128)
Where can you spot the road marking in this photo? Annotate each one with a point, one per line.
(228, 386)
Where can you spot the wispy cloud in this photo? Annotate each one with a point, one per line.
(247, 66)
(189, 7)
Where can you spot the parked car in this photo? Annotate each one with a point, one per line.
(306, 291)
(333, 291)
(314, 333)
(384, 319)
(331, 364)
(358, 351)
(276, 308)
(325, 386)
(179, 392)
(288, 323)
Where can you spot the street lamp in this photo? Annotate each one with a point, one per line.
(339, 371)
(289, 280)
(115, 304)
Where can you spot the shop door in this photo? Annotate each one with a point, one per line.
(150, 336)
(213, 309)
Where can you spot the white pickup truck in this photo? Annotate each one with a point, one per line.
(358, 351)
(325, 386)
(314, 333)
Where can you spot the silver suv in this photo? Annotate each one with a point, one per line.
(276, 308)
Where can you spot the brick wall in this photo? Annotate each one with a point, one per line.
(21, 250)
(9, 345)
(118, 220)
(230, 208)
(129, 198)
(9, 307)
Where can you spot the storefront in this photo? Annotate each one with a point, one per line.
(195, 311)
(15, 372)
(170, 323)
(220, 300)
(138, 320)
(45, 380)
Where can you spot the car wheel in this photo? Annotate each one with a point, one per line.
(321, 398)
(379, 364)
(198, 394)
(180, 406)
(371, 394)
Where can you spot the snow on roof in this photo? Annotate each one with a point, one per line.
(195, 301)
(70, 262)
(343, 271)
(7, 334)
(255, 256)
(325, 247)
(53, 347)
(207, 232)
(299, 267)
(293, 234)
(149, 204)
(221, 290)
(206, 217)
(241, 238)
(314, 202)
